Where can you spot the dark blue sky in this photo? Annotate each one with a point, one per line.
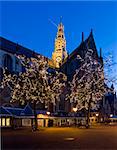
(28, 24)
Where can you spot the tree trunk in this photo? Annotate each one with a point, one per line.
(88, 113)
(35, 116)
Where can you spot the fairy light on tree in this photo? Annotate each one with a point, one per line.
(88, 85)
(35, 84)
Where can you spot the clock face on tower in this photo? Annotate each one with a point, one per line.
(58, 59)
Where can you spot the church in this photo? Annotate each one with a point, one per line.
(61, 61)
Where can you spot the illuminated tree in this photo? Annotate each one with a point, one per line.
(88, 84)
(35, 84)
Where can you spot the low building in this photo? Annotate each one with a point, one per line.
(16, 117)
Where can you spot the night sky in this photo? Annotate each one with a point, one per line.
(28, 23)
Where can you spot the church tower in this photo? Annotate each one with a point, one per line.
(60, 53)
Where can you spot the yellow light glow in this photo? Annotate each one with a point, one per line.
(3, 121)
(48, 113)
(42, 116)
(8, 122)
(75, 109)
(97, 115)
(111, 115)
(0, 122)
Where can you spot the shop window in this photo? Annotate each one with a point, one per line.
(3, 121)
(0, 122)
(7, 121)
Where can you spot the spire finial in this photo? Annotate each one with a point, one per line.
(60, 19)
(91, 31)
(100, 52)
(82, 36)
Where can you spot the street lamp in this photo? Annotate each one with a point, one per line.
(111, 115)
(48, 113)
(75, 109)
(97, 115)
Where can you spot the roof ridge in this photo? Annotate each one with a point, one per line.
(7, 110)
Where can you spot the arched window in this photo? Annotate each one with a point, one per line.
(8, 63)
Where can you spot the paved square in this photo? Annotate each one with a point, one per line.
(101, 137)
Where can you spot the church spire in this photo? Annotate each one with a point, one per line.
(91, 31)
(60, 33)
(60, 53)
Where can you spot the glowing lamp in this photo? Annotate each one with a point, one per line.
(75, 109)
(48, 113)
(97, 115)
(111, 115)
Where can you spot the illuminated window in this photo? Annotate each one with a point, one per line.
(8, 122)
(0, 122)
(3, 121)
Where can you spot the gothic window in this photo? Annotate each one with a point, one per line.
(8, 63)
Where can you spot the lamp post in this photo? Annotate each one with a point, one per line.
(75, 110)
(97, 117)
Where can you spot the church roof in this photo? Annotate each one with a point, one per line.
(14, 48)
(12, 111)
(4, 112)
(27, 111)
(81, 50)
